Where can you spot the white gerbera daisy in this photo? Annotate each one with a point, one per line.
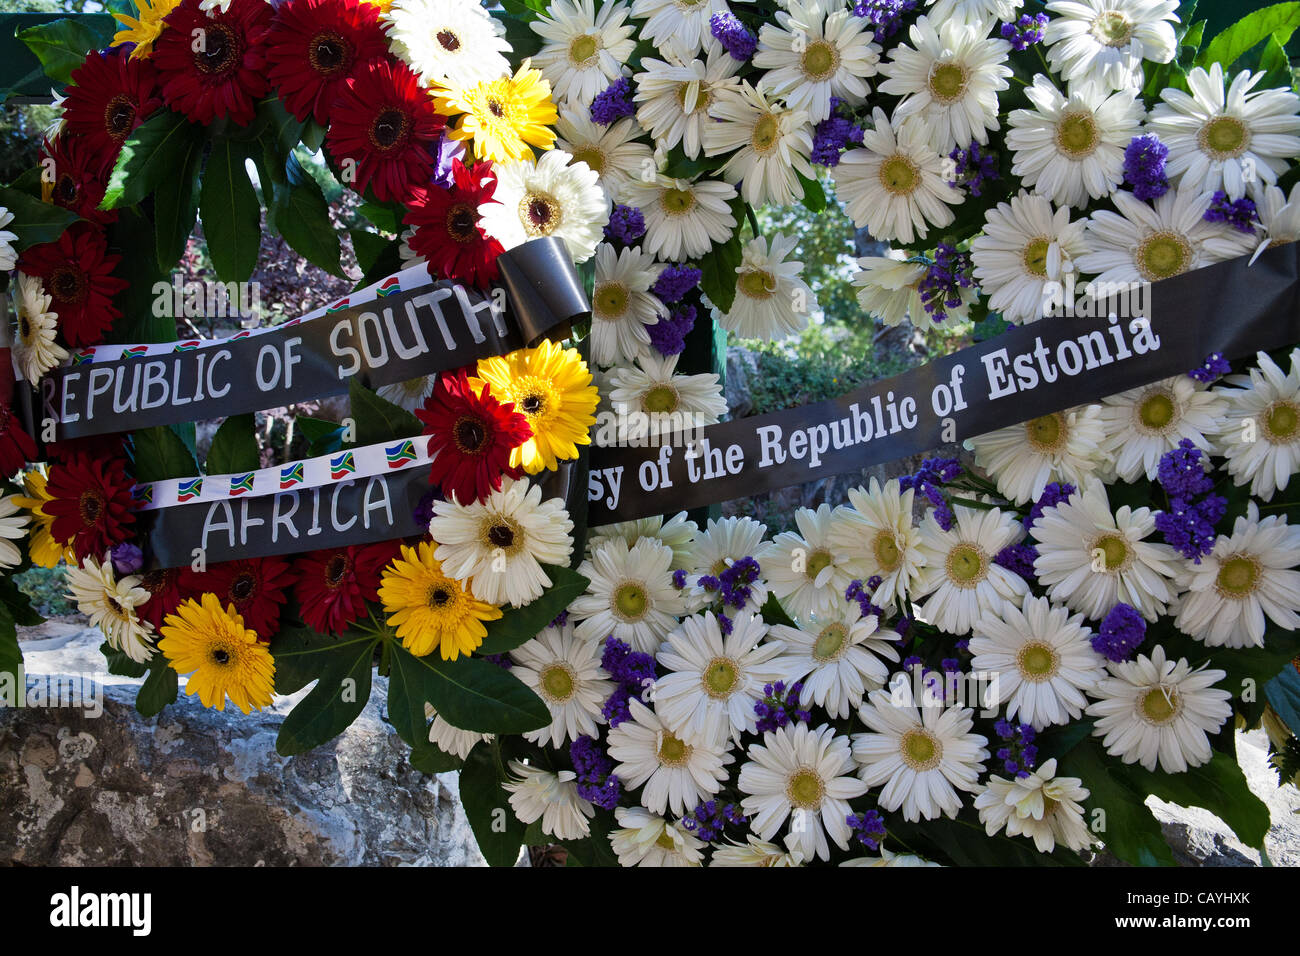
(565, 673)
(805, 772)
(8, 255)
(1260, 436)
(768, 145)
(959, 575)
(583, 50)
(1152, 709)
(109, 602)
(631, 595)
(612, 151)
(1042, 806)
(683, 219)
(1222, 142)
(1141, 424)
(755, 852)
(772, 300)
(1091, 559)
(838, 655)
(921, 757)
(1043, 659)
(725, 541)
(949, 83)
(678, 26)
(1279, 217)
(651, 400)
(410, 394)
(1070, 148)
(622, 304)
(448, 42)
(673, 98)
(501, 544)
(13, 527)
(644, 839)
(973, 12)
(1024, 459)
(889, 290)
(801, 569)
(714, 681)
(1246, 578)
(815, 52)
(677, 533)
(1105, 41)
(552, 197)
(677, 772)
(449, 739)
(1145, 244)
(35, 351)
(890, 858)
(1025, 246)
(537, 794)
(895, 185)
(876, 537)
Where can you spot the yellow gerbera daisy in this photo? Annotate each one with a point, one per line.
(503, 116)
(145, 30)
(380, 5)
(552, 387)
(226, 659)
(430, 609)
(45, 551)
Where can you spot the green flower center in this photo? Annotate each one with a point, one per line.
(766, 132)
(1238, 576)
(1162, 255)
(1046, 432)
(720, 677)
(673, 752)
(1224, 137)
(830, 642)
(631, 601)
(920, 749)
(1156, 410)
(966, 565)
(1282, 422)
(757, 284)
(610, 301)
(1037, 661)
(583, 49)
(677, 202)
(660, 400)
(805, 789)
(820, 61)
(1160, 705)
(948, 82)
(817, 562)
(1077, 135)
(1112, 29)
(665, 841)
(1114, 550)
(1035, 256)
(592, 156)
(885, 548)
(557, 682)
(899, 175)
(703, 99)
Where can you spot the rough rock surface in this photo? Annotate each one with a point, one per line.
(199, 787)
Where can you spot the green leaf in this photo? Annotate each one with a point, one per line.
(967, 843)
(387, 217)
(153, 153)
(774, 613)
(34, 221)
(159, 688)
(334, 703)
(232, 217)
(323, 437)
(469, 693)
(378, 419)
(176, 204)
(1130, 831)
(719, 267)
(144, 317)
(428, 758)
(377, 256)
(487, 807)
(120, 663)
(313, 135)
(596, 849)
(234, 447)
(11, 656)
(18, 604)
(1279, 19)
(160, 453)
(62, 45)
(520, 625)
(303, 217)
(301, 654)
(814, 197)
(1275, 65)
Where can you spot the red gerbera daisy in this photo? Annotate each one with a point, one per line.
(80, 176)
(382, 131)
(226, 74)
(164, 587)
(77, 270)
(447, 232)
(315, 45)
(90, 503)
(335, 584)
(472, 436)
(16, 446)
(255, 586)
(111, 95)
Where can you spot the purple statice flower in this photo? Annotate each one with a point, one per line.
(933, 473)
(940, 287)
(560, 619)
(1144, 167)
(1018, 559)
(912, 662)
(1189, 526)
(1019, 755)
(127, 558)
(423, 512)
(950, 665)
(668, 335)
(868, 828)
(679, 579)
(596, 780)
(1240, 214)
(1181, 471)
(675, 283)
(734, 584)
(626, 224)
(780, 706)
(974, 166)
(1025, 32)
(861, 593)
(901, 627)
(708, 820)
(1214, 367)
(725, 624)
(502, 661)
(832, 136)
(613, 103)
(632, 671)
(1053, 495)
(1121, 633)
(885, 16)
(963, 645)
(739, 43)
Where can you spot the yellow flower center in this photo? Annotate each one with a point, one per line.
(583, 50)
(1034, 256)
(720, 677)
(557, 683)
(805, 789)
(766, 132)
(817, 562)
(1282, 422)
(757, 284)
(1157, 410)
(703, 98)
(1162, 255)
(665, 841)
(673, 752)
(948, 82)
(820, 61)
(660, 400)
(1047, 432)
(920, 749)
(540, 214)
(1160, 705)
(593, 156)
(631, 601)
(1111, 29)
(967, 565)
(899, 175)
(830, 642)
(1077, 135)
(1038, 661)
(885, 548)
(1238, 576)
(1114, 550)
(677, 202)
(1224, 137)
(610, 301)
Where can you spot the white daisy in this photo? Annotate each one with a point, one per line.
(815, 52)
(1224, 142)
(583, 50)
(1042, 806)
(410, 394)
(1279, 217)
(678, 773)
(1260, 436)
(449, 739)
(1091, 559)
(1105, 41)
(973, 12)
(959, 575)
(895, 185)
(1070, 148)
(537, 794)
(565, 673)
(755, 852)
(1141, 424)
(673, 98)
(622, 304)
(631, 595)
(922, 758)
(772, 300)
(13, 527)
(801, 772)
(683, 219)
(1026, 245)
(651, 400)
(644, 839)
(110, 602)
(612, 151)
(877, 537)
(838, 656)
(768, 145)
(553, 197)
(35, 350)
(890, 858)
(889, 290)
(1024, 459)
(725, 541)
(677, 533)
(949, 81)
(1042, 658)
(1245, 579)
(677, 26)
(8, 255)
(448, 42)
(501, 544)
(801, 569)
(1152, 709)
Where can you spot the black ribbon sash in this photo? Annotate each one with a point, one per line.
(1024, 373)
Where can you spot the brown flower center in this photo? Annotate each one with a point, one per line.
(329, 54)
(448, 40)
(119, 116)
(337, 569)
(67, 285)
(243, 587)
(462, 222)
(469, 435)
(221, 51)
(389, 129)
(91, 505)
